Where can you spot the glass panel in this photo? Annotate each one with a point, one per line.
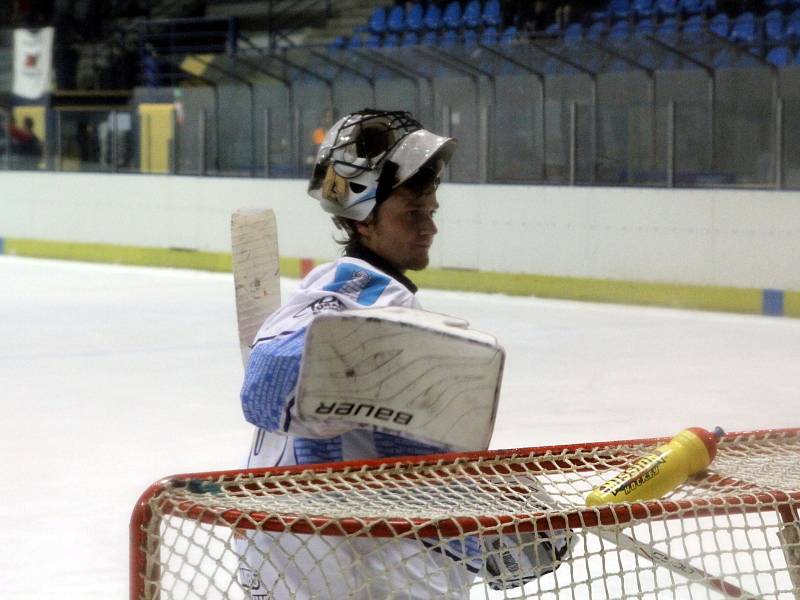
(745, 141)
(96, 141)
(5, 140)
(584, 143)
(693, 148)
(517, 150)
(791, 143)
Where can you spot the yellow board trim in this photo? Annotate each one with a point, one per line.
(715, 298)
(123, 255)
(791, 304)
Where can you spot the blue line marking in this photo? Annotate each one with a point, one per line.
(772, 303)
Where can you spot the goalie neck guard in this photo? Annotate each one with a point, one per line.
(367, 154)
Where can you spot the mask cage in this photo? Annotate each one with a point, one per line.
(368, 140)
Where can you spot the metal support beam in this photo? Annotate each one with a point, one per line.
(595, 101)
(542, 95)
(712, 87)
(348, 68)
(403, 70)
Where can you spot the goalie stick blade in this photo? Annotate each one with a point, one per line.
(403, 370)
(256, 271)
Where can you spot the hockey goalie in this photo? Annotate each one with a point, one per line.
(350, 367)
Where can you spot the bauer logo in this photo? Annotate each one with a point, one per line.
(360, 284)
(363, 410)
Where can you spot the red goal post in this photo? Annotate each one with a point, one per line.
(731, 532)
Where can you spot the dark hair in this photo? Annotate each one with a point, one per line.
(423, 181)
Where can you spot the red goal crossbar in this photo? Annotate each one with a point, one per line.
(213, 498)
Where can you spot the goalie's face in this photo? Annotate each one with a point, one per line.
(402, 229)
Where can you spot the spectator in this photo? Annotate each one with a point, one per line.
(26, 148)
(533, 16)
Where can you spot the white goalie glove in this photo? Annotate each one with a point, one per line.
(513, 560)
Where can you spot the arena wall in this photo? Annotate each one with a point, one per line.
(734, 250)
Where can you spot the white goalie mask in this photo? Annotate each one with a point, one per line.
(367, 154)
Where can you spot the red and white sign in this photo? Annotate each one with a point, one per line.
(33, 62)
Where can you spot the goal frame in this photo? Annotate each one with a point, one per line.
(617, 515)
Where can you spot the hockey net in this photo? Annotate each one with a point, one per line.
(421, 527)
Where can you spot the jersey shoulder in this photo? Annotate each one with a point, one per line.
(358, 284)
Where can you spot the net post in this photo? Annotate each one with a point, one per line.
(144, 545)
(789, 536)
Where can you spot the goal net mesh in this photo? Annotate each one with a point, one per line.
(498, 524)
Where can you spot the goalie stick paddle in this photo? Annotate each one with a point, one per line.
(256, 271)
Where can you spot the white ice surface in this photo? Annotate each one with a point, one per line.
(113, 377)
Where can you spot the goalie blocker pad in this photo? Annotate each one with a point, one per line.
(404, 370)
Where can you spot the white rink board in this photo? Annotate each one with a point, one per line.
(116, 376)
(723, 237)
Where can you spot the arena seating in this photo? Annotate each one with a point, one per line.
(774, 34)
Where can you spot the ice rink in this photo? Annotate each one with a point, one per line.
(113, 377)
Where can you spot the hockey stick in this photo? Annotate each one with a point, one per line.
(256, 271)
(676, 565)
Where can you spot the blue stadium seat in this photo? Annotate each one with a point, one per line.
(780, 56)
(410, 38)
(449, 39)
(773, 26)
(489, 36)
(492, 14)
(719, 24)
(744, 28)
(414, 17)
(553, 29)
(391, 40)
(596, 30)
(667, 8)
(338, 43)
(644, 27)
(472, 14)
(396, 21)
(470, 38)
(619, 9)
(692, 7)
(779, 4)
(433, 18)
(356, 42)
(792, 30)
(452, 15)
(620, 31)
(373, 41)
(573, 34)
(430, 38)
(643, 8)
(693, 26)
(377, 21)
(669, 28)
(508, 36)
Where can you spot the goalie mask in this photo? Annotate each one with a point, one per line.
(369, 153)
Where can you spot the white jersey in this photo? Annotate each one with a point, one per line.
(294, 566)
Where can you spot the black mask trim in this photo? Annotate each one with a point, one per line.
(386, 181)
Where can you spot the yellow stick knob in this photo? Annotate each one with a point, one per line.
(661, 471)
